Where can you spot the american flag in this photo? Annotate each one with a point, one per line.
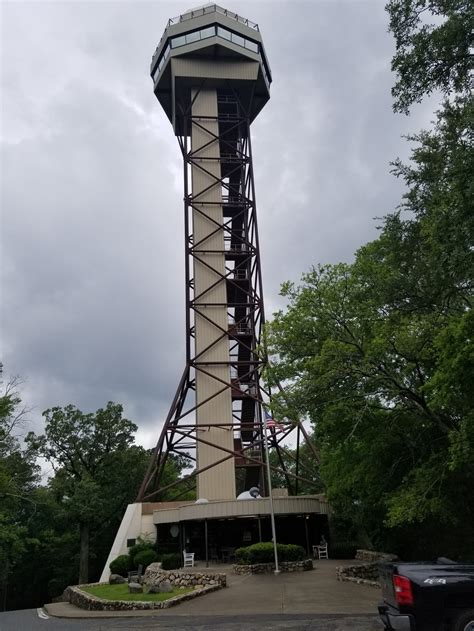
(270, 421)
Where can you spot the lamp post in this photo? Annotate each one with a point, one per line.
(272, 512)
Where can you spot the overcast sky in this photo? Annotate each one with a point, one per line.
(92, 261)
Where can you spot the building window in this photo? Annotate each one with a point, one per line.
(193, 37)
(211, 31)
(178, 41)
(131, 543)
(224, 33)
(208, 32)
(237, 39)
(251, 46)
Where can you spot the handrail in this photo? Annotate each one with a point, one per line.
(213, 8)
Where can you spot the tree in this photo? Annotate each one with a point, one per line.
(304, 477)
(18, 478)
(433, 39)
(91, 454)
(380, 353)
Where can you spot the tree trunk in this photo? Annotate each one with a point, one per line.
(84, 554)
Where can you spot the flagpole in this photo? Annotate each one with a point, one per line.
(272, 512)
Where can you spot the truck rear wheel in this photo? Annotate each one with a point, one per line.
(464, 621)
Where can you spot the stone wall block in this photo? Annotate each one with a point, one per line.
(268, 568)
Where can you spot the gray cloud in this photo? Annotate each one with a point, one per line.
(92, 237)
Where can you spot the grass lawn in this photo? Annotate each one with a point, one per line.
(120, 592)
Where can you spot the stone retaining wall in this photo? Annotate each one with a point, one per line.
(371, 556)
(154, 575)
(368, 573)
(267, 568)
(89, 602)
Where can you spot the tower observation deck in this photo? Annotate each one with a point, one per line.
(212, 78)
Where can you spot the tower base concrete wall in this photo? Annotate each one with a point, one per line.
(134, 523)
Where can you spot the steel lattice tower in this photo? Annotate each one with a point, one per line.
(212, 78)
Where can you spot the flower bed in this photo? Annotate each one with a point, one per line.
(202, 584)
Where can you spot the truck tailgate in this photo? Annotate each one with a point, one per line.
(387, 570)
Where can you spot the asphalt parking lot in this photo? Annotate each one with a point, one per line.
(300, 600)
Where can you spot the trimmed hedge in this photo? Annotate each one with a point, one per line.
(264, 553)
(139, 554)
(171, 561)
(122, 565)
(145, 557)
(137, 549)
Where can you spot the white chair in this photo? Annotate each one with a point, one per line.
(323, 551)
(188, 559)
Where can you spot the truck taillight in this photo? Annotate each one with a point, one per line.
(403, 591)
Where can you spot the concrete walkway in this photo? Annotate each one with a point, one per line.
(316, 592)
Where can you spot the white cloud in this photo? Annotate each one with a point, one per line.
(92, 236)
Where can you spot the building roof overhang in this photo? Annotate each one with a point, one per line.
(228, 509)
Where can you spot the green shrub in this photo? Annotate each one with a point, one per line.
(122, 565)
(145, 557)
(138, 548)
(171, 561)
(261, 553)
(343, 549)
(291, 552)
(264, 553)
(242, 556)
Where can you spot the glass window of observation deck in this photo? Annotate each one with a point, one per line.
(178, 41)
(237, 39)
(208, 32)
(193, 37)
(251, 46)
(224, 33)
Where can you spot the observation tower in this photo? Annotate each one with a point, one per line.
(212, 78)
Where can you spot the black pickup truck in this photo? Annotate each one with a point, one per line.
(427, 596)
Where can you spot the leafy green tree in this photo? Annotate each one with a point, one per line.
(18, 478)
(91, 454)
(175, 483)
(380, 353)
(433, 39)
(49, 562)
(303, 476)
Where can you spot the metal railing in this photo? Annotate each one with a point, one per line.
(212, 8)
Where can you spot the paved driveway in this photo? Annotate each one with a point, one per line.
(316, 592)
(301, 600)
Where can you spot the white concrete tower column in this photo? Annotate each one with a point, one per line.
(210, 302)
